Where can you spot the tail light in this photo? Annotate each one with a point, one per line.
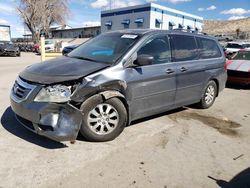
(227, 63)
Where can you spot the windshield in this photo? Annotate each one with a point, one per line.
(234, 45)
(106, 48)
(242, 56)
(48, 42)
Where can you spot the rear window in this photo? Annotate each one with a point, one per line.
(208, 48)
(184, 48)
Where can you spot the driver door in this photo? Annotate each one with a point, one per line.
(152, 87)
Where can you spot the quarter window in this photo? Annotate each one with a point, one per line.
(158, 48)
(184, 48)
(208, 49)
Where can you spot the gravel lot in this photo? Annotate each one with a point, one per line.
(183, 148)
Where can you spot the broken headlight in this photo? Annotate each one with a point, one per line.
(56, 93)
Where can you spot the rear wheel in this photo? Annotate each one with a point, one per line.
(209, 95)
(103, 120)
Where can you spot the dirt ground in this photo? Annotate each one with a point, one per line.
(183, 148)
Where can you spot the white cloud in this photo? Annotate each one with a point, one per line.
(211, 7)
(150, 1)
(6, 8)
(178, 1)
(236, 17)
(105, 4)
(2, 21)
(236, 11)
(201, 9)
(91, 23)
(100, 4)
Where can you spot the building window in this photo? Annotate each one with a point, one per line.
(158, 23)
(139, 22)
(108, 25)
(189, 27)
(180, 26)
(171, 25)
(125, 23)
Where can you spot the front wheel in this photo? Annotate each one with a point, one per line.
(103, 120)
(209, 95)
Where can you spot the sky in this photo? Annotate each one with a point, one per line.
(87, 12)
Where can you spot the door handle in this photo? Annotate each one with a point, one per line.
(183, 69)
(169, 71)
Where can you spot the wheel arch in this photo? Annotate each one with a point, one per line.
(217, 84)
(108, 94)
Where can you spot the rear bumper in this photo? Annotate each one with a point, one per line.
(239, 77)
(239, 80)
(59, 122)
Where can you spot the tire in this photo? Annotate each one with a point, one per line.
(106, 127)
(208, 96)
(14, 54)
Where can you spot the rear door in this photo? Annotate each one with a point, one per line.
(190, 70)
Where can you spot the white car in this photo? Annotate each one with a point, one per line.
(49, 46)
(233, 47)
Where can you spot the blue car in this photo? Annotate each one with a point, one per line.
(68, 49)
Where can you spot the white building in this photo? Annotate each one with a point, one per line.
(152, 16)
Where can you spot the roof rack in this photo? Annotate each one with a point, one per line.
(190, 31)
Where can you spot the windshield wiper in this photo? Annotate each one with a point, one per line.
(88, 59)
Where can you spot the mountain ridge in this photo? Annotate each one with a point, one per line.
(226, 26)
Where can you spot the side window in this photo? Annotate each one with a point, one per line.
(208, 49)
(184, 48)
(158, 48)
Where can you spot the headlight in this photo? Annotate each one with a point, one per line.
(56, 93)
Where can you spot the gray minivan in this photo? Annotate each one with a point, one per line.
(115, 78)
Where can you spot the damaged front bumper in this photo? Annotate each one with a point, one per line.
(57, 121)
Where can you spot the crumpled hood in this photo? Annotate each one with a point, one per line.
(60, 70)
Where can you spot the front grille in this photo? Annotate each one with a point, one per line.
(22, 89)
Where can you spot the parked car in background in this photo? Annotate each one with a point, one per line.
(36, 48)
(9, 49)
(116, 78)
(233, 47)
(238, 68)
(25, 47)
(224, 37)
(49, 45)
(68, 49)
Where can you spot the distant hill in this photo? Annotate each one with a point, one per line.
(226, 27)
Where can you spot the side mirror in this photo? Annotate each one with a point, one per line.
(144, 59)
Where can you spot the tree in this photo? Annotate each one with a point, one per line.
(38, 16)
(238, 32)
